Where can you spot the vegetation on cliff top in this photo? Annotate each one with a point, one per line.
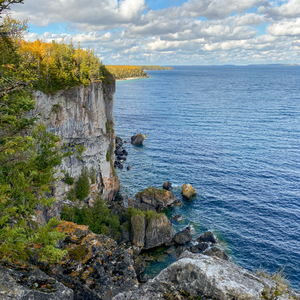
(59, 66)
(122, 72)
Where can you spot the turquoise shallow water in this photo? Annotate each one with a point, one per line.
(234, 134)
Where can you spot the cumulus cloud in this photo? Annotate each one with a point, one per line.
(198, 32)
(98, 13)
(285, 28)
(290, 9)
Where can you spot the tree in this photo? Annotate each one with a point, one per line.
(28, 157)
(83, 184)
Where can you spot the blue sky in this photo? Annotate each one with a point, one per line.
(171, 32)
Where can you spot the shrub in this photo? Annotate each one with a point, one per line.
(68, 179)
(93, 175)
(98, 218)
(83, 185)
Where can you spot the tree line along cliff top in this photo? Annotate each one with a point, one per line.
(128, 71)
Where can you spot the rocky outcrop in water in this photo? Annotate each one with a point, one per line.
(137, 140)
(183, 237)
(95, 267)
(188, 191)
(197, 275)
(120, 154)
(31, 283)
(155, 199)
(150, 231)
(83, 116)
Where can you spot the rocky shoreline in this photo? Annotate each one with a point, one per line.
(112, 265)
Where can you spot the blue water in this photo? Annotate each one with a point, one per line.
(234, 134)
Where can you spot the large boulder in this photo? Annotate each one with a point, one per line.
(159, 231)
(31, 283)
(137, 140)
(95, 266)
(208, 237)
(138, 230)
(155, 199)
(197, 275)
(188, 191)
(150, 230)
(183, 237)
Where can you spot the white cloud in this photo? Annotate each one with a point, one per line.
(203, 32)
(285, 28)
(96, 13)
(290, 9)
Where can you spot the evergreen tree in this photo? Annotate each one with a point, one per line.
(83, 184)
(28, 157)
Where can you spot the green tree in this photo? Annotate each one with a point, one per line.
(83, 184)
(28, 157)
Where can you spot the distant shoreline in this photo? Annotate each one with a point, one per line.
(131, 78)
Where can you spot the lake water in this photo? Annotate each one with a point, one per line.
(234, 134)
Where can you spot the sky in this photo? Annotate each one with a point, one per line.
(171, 32)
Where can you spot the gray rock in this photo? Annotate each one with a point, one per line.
(207, 277)
(154, 199)
(203, 246)
(159, 231)
(139, 265)
(150, 231)
(95, 266)
(216, 251)
(138, 230)
(183, 237)
(31, 283)
(82, 116)
(208, 237)
(137, 140)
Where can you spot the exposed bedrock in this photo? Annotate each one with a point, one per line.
(83, 116)
(210, 278)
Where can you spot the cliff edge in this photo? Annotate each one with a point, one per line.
(83, 116)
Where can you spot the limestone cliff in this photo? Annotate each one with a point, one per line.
(83, 116)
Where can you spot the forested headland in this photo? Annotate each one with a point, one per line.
(127, 71)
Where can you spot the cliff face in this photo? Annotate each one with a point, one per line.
(83, 116)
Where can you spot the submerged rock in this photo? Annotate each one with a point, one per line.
(95, 267)
(31, 283)
(208, 277)
(154, 199)
(137, 140)
(188, 191)
(177, 218)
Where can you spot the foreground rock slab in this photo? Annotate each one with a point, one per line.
(207, 277)
(95, 267)
(31, 283)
